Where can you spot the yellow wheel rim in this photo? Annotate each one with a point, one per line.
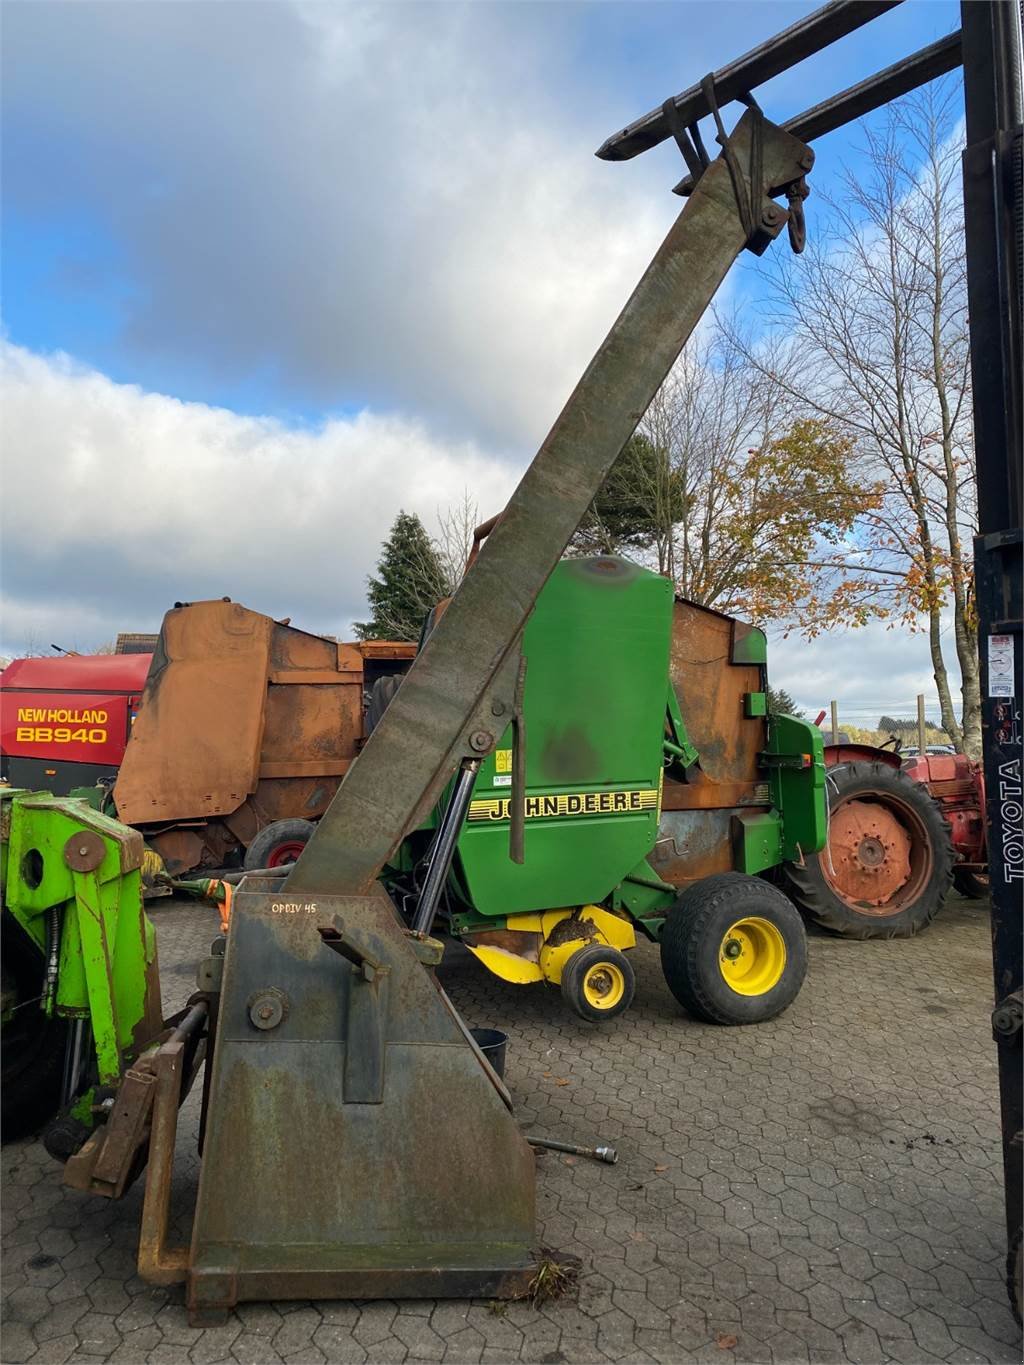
(604, 986)
(752, 956)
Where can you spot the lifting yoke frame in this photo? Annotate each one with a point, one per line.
(357, 1144)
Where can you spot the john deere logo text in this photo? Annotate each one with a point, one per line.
(570, 803)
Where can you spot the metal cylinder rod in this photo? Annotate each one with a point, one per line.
(602, 1153)
(74, 1052)
(190, 1023)
(444, 847)
(52, 956)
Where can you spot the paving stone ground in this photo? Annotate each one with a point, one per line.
(822, 1188)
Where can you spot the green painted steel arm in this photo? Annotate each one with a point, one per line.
(459, 695)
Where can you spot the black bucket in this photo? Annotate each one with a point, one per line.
(492, 1043)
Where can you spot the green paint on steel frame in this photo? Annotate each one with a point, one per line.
(597, 649)
(107, 945)
(798, 784)
(601, 722)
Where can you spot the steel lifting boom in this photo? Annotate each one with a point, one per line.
(357, 1144)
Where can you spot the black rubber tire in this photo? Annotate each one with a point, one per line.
(972, 885)
(260, 852)
(580, 965)
(811, 892)
(381, 694)
(692, 938)
(33, 1046)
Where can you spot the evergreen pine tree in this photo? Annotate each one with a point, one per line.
(780, 703)
(408, 583)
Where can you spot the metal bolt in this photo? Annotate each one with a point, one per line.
(807, 160)
(497, 708)
(265, 1012)
(771, 213)
(481, 740)
(733, 949)
(1006, 1019)
(83, 849)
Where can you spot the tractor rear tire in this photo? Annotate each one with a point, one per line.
(32, 1067)
(733, 950)
(888, 866)
(381, 695)
(974, 886)
(598, 983)
(278, 844)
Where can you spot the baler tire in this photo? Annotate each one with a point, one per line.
(381, 696)
(973, 886)
(32, 1069)
(289, 835)
(693, 945)
(911, 805)
(582, 991)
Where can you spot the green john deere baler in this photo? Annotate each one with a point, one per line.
(656, 790)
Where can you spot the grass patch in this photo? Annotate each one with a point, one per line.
(553, 1280)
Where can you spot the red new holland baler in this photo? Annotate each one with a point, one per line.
(64, 722)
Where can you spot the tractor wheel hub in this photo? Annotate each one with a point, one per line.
(870, 850)
(871, 853)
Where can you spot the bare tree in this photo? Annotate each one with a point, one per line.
(729, 489)
(454, 540)
(872, 337)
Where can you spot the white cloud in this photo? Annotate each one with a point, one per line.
(871, 672)
(117, 502)
(394, 205)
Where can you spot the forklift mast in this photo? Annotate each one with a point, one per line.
(994, 216)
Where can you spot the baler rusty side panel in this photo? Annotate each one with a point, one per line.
(195, 748)
(712, 677)
(244, 721)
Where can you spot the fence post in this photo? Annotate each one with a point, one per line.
(921, 746)
(835, 722)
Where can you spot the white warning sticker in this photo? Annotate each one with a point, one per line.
(1000, 665)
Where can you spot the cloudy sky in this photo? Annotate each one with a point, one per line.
(273, 271)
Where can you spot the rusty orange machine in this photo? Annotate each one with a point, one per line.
(245, 730)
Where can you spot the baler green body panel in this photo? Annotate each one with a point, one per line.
(603, 724)
(597, 649)
(799, 789)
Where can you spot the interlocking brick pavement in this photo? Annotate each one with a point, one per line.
(825, 1187)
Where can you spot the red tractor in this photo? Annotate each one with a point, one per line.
(957, 783)
(901, 833)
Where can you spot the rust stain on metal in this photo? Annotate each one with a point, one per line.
(523, 942)
(84, 851)
(711, 691)
(876, 864)
(693, 845)
(712, 795)
(244, 720)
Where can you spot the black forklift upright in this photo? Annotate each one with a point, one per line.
(993, 208)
